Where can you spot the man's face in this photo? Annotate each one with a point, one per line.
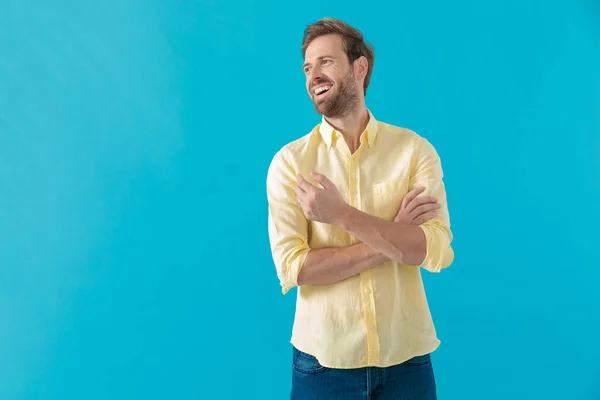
(330, 79)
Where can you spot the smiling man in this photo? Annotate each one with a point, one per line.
(357, 209)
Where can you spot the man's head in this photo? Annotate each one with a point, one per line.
(339, 61)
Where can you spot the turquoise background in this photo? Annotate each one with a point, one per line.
(135, 138)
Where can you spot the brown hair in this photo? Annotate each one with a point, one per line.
(352, 39)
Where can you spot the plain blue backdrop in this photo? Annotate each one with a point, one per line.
(135, 137)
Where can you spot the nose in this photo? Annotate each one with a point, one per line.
(314, 74)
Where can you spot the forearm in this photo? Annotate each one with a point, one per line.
(334, 264)
(398, 241)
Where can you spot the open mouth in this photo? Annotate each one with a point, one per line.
(322, 90)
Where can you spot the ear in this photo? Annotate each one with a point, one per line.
(361, 66)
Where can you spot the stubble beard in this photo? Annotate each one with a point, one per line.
(342, 103)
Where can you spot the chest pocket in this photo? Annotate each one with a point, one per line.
(387, 197)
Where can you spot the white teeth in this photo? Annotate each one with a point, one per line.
(321, 89)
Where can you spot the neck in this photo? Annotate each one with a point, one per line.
(351, 125)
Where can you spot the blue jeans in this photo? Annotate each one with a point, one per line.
(411, 380)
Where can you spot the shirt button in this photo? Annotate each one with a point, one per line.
(367, 291)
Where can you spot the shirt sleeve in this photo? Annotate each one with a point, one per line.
(428, 173)
(288, 227)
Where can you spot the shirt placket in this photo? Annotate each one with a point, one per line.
(366, 279)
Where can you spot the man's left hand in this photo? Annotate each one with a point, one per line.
(320, 204)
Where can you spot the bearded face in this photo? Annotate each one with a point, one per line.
(335, 99)
(330, 79)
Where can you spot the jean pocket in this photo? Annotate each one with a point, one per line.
(419, 361)
(306, 363)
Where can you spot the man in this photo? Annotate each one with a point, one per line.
(356, 208)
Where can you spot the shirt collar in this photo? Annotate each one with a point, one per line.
(328, 132)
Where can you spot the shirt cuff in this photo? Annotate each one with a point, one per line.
(439, 253)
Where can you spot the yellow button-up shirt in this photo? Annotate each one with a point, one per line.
(379, 317)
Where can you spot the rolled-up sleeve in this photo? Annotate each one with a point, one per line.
(288, 227)
(428, 173)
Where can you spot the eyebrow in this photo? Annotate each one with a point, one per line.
(318, 59)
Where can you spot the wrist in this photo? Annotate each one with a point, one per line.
(346, 214)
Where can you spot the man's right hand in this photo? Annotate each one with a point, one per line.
(416, 210)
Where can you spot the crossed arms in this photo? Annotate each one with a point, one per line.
(419, 235)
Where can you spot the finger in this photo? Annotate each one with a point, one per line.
(411, 195)
(322, 179)
(419, 201)
(303, 184)
(425, 199)
(423, 208)
(299, 194)
(416, 202)
(425, 217)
